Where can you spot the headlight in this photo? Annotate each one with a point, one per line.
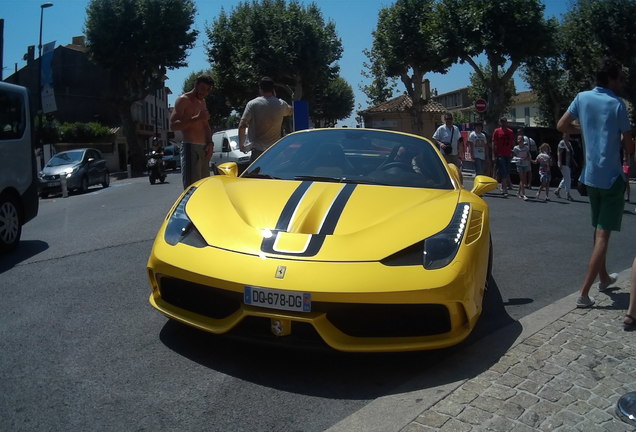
(70, 171)
(180, 228)
(441, 248)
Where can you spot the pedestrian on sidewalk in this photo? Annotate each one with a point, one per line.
(565, 160)
(545, 161)
(522, 153)
(191, 117)
(602, 119)
(503, 140)
(263, 119)
(478, 149)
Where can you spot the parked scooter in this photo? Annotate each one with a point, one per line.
(154, 165)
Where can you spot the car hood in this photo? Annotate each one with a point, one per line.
(58, 169)
(316, 220)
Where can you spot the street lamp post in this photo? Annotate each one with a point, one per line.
(39, 89)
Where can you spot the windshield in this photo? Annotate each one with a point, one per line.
(354, 156)
(66, 158)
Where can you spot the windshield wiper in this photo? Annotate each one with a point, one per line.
(339, 180)
(256, 175)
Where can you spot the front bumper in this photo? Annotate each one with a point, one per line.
(363, 307)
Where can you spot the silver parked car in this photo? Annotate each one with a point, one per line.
(81, 168)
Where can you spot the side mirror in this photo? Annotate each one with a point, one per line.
(483, 184)
(455, 173)
(226, 145)
(229, 169)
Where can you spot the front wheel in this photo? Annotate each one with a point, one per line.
(84, 185)
(106, 181)
(10, 223)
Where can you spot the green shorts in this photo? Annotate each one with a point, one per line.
(607, 205)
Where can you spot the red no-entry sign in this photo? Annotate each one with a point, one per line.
(481, 105)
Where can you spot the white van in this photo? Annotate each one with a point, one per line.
(18, 178)
(226, 149)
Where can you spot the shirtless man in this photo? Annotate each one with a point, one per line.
(191, 117)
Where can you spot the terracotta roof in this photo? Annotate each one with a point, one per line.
(403, 103)
(525, 97)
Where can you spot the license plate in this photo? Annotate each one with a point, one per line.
(277, 299)
(53, 184)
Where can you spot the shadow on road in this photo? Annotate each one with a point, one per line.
(26, 249)
(336, 375)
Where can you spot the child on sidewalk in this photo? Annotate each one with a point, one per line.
(522, 152)
(545, 161)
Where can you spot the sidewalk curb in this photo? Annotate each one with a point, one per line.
(396, 411)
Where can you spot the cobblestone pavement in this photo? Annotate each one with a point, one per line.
(568, 376)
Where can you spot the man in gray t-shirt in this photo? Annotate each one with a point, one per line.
(263, 118)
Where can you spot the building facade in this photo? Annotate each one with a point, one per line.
(82, 93)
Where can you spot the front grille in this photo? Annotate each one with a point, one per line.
(353, 319)
(51, 177)
(202, 299)
(389, 320)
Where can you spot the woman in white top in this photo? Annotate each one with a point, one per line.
(564, 161)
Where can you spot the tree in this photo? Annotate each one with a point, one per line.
(137, 40)
(404, 47)
(479, 88)
(336, 103)
(545, 76)
(288, 42)
(381, 87)
(595, 29)
(507, 32)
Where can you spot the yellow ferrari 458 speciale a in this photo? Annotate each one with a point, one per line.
(364, 239)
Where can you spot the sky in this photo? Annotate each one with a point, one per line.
(355, 21)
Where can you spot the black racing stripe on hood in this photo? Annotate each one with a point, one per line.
(290, 207)
(329, 226)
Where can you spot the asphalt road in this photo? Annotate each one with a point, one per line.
(83, 350)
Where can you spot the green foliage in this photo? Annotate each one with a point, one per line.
(595, 29)
(405, 47)
(507, 32)
(83, 132)
(382, 87)
(479, 88)
(137, 41)
(336, 103)
(287, 41)
(545, 76)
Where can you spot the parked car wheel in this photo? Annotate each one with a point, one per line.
(84, 186)
(44, 195)
(10, 226)
(106, 181)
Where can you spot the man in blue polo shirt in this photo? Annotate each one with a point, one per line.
(605, 127)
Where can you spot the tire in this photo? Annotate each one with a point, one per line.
(106, 181)
(84, 185)
(43, 195)
(10, 223)
(152, 179)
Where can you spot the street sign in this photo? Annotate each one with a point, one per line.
(481, 105)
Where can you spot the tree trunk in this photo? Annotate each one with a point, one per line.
(136, 156)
